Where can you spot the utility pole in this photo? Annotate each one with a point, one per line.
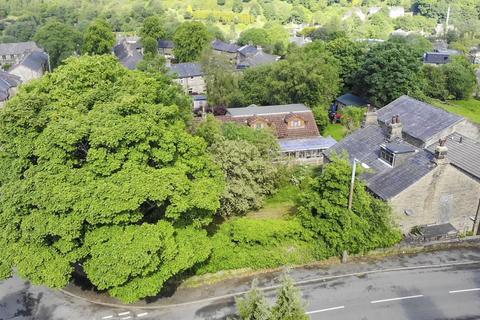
(352, 184)
(476, 223)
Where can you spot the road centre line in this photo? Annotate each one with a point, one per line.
(399, 298)
(323, 310)
(124, 313)
(142, 314)
(464, 290)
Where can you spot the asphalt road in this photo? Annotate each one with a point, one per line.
(428, 293)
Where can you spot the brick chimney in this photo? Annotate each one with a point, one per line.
(441, 152)
(371, 116)
(395, 128)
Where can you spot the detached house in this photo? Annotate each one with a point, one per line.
(190, 76)
(293, 124)
(14, 53)
(129, 52)
(419, 162)
(252, 56)
(229, 50)
(33, 66)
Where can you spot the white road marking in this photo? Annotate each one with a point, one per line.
(142, 314)
(107, 317)
(395, 299)
(323, 310)
(124, 313)
(465, 290)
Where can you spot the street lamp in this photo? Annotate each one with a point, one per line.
(352, 183)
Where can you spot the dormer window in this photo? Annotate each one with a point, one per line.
(259, 125)
(387, 156)
(296, 123)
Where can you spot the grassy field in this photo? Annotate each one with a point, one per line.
(279, 205)
(469, 109)
(336, 130)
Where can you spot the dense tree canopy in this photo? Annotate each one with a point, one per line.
(59, 40)
(99, 38)
(96, 166)
(324, 210)
(390, 70)
(190, 39)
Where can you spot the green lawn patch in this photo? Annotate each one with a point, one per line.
(280, 205)
(336, 130)
(469, 109)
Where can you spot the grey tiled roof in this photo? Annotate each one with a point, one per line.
(36, 60)
(383, 180)
(437, 57)
(389, 183)
(165, 44)
(187, 69)
(463, 153)
(7, 81)
(128, 54)
(247, 50)
(265, 110)
(420, 120)
(224, 47)
(349, 99)
(18, 48)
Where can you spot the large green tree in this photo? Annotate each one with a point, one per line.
(98, 170)
(309, 75)
(390, 70)
(99, 38)
(461, 79)
(153, 27)
(324, 210)
(190, 39)
(59, 40)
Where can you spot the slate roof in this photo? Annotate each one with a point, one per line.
(187, 69)
(165, 44)
(199, 97)
(383, 180)
(277, 118)
(128, 53)
(18, 48)
(420, 120)
(36, 60)
(442, 57)
(463, 153)
(268, 110)
(315, 143)
(257, 59)
(349, 99)
(7, 81)
(247, 50)
(224, 47)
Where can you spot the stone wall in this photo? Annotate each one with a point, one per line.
(446, 194)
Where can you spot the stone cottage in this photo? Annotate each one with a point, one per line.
(419, 162)
(190, 76)
(14, 53)
(9, 84)
(33, 66)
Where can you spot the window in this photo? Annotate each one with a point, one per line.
(387, 156)
(259, 125)
(190, 90)
(297, 123)
(4, 57)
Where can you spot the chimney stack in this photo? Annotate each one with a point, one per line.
(441, 152)
(371, 116)
(395, 129)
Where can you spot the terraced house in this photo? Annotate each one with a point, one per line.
(421, 161)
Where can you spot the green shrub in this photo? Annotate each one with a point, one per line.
(257, 244)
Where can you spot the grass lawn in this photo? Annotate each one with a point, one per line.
(469, 109)
(336, 130)
(279, 205)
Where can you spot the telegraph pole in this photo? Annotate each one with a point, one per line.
(352, 183)
(448, 19)
(476, 223)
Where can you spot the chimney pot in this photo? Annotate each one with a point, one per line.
(441, 152)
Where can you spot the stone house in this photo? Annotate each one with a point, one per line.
(229, 50)
(33, 66)
(14, 53)
(165, 48)
(9, 84)
(439, 57)
(253, 56)
(293, 124)
(129, 52)
(419, 162)
(190, 76)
